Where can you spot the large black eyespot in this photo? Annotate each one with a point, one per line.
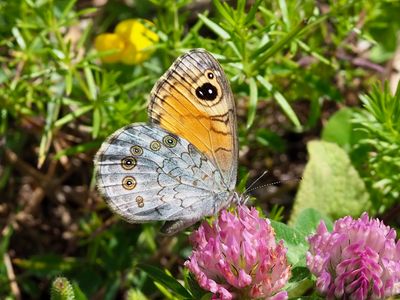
(207, 92)
(169, 141)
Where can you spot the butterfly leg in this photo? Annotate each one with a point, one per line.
(172, 227)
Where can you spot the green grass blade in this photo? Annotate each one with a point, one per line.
(224, 12)
(281, 43)
(53, 109)
(72, 115)
(215, 27)
(166, 280)
(282, 102)
(90, 83)
(253, 102)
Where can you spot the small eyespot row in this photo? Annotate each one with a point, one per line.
(155, 145)
(136, 150)
(129, 183)
(139, 201)
(128, 163)
(169, 141)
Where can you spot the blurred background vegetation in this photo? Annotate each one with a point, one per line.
(299, 70)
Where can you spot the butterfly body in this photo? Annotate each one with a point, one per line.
(182, 165)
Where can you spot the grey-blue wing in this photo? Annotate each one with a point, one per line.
(146, 174)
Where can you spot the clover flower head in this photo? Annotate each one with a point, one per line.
(237, 257)
(359, 259)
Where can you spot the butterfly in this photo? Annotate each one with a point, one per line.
(182, 165)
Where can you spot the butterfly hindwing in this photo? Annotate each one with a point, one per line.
(146, 173)
(193, 100)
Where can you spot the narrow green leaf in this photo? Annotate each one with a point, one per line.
(90, 83)
(53, 109)
(285, 13)
(280, 44)
(67, 9)
(5, 239)
(87, 11)
(128, 86)
(164, 290)
(166, 280)
(215, 27)
(48, 265)
(224, 12)
(57, 54)
(252, 103)
(135, 294)
(72, 116)
(240, 9)
(111, 288)
(241, 187)
(68, 82)
(193, 286)
(18, 37)
(3, 120)
(233, 46)
(81, 148)
(194, 31)
(315, 54)
(85, 34)
(96, 124)
(262, 49)
(250, 17)
(282, 102)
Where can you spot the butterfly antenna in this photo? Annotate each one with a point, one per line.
(272, 183)
(255, 181)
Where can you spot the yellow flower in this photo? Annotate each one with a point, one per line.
(108, 42)
(138, 39)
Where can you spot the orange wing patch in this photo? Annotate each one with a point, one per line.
(210, 135)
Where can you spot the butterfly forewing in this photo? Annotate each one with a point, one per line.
(193, 100)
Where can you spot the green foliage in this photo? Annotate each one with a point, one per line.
(295, 239)
(340, 130)
(166, 281)
(330, 184)
(285, 59)
(295, 236)
(249, 47)
(379, 120)
(55, 81)
(371, 136)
